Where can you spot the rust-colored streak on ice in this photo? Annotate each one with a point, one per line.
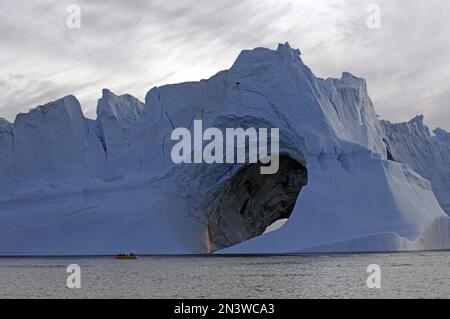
(207, 242)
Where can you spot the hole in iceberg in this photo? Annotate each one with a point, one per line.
(251, 204)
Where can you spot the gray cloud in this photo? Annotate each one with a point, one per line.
(130, 46)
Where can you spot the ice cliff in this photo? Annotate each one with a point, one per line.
(348, 182)
(428, 154)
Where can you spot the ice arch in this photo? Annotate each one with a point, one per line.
(249, 202)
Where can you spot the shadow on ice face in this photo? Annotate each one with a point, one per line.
(250, 202)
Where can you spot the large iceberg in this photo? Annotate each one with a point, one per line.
(347, 182)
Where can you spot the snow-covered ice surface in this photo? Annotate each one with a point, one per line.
(73, 186)
(427, 153)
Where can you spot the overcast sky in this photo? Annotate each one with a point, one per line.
(131, 46)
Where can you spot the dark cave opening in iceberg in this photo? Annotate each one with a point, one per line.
(250, 202)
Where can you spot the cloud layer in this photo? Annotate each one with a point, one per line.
(131, 46)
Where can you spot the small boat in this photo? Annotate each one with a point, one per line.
(126, 256)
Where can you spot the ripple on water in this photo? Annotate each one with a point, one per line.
(411, 275)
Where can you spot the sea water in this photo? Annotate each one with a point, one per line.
(403, 275)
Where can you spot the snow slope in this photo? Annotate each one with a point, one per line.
(73, 186)
(428, 154)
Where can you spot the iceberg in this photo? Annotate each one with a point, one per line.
(347, 181)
